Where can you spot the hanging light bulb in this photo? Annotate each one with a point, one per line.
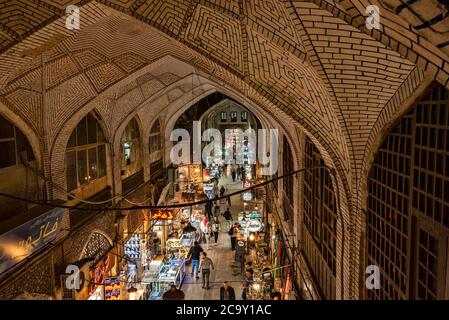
(132, 293)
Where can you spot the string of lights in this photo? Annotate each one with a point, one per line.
(168, 206)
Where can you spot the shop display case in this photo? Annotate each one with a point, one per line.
(173, 271)
(158, 290)
(187, 240)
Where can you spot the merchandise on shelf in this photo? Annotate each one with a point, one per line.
(172, 271)
(133, 247)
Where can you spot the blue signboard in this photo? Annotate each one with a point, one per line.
(22, 241)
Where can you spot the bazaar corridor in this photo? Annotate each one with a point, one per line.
(226, 268)
(124, 123)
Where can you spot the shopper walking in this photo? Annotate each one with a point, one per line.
(205, 265)
(244, 290)
(216, 228)
(227, 292)
(222, 191)
(228, 217)
(194, 255)
(233, 233)
(233, 175)
(204, 231)
(208, 209)
(217, 211)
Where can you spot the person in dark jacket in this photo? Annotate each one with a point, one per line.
(227, 292)
(233, 233)
(208, 210)
(244, 290)
(216, 228)
(228, 216)
(194, 254)
(173, 293)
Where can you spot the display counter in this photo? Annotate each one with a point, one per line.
(172, 271)
(187, 240)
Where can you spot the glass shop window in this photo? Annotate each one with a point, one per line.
(131, 142)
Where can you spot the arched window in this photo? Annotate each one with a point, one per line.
(13, 145)
(131, 143)
(319, 229)
(155, 143)
(97, 247)
(85, 157)
(407, 222)
(15, 178)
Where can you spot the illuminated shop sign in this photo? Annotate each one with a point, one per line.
(112, 289)
(101, 270)
(247, 196)
(19, 243)
(161, 214)
(254, 226)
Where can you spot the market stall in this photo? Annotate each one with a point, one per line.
(178, 231)
(190, 181)
(171, 271)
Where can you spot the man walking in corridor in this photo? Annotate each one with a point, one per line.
(194, 254)
(228, 217)
(233, 233)
(205, 266)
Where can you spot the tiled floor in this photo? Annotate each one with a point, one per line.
(222, 257)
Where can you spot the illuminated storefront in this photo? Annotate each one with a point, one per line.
(98, 274)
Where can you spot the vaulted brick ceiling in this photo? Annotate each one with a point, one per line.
(313, 61)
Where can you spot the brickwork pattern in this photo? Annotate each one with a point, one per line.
(37, 279)
(306, 64)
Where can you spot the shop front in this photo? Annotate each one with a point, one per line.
(284, 280)
(177, 230)
(167, 271)
(138, 253)
(190, 181)
(98, 275)
(256, 251)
